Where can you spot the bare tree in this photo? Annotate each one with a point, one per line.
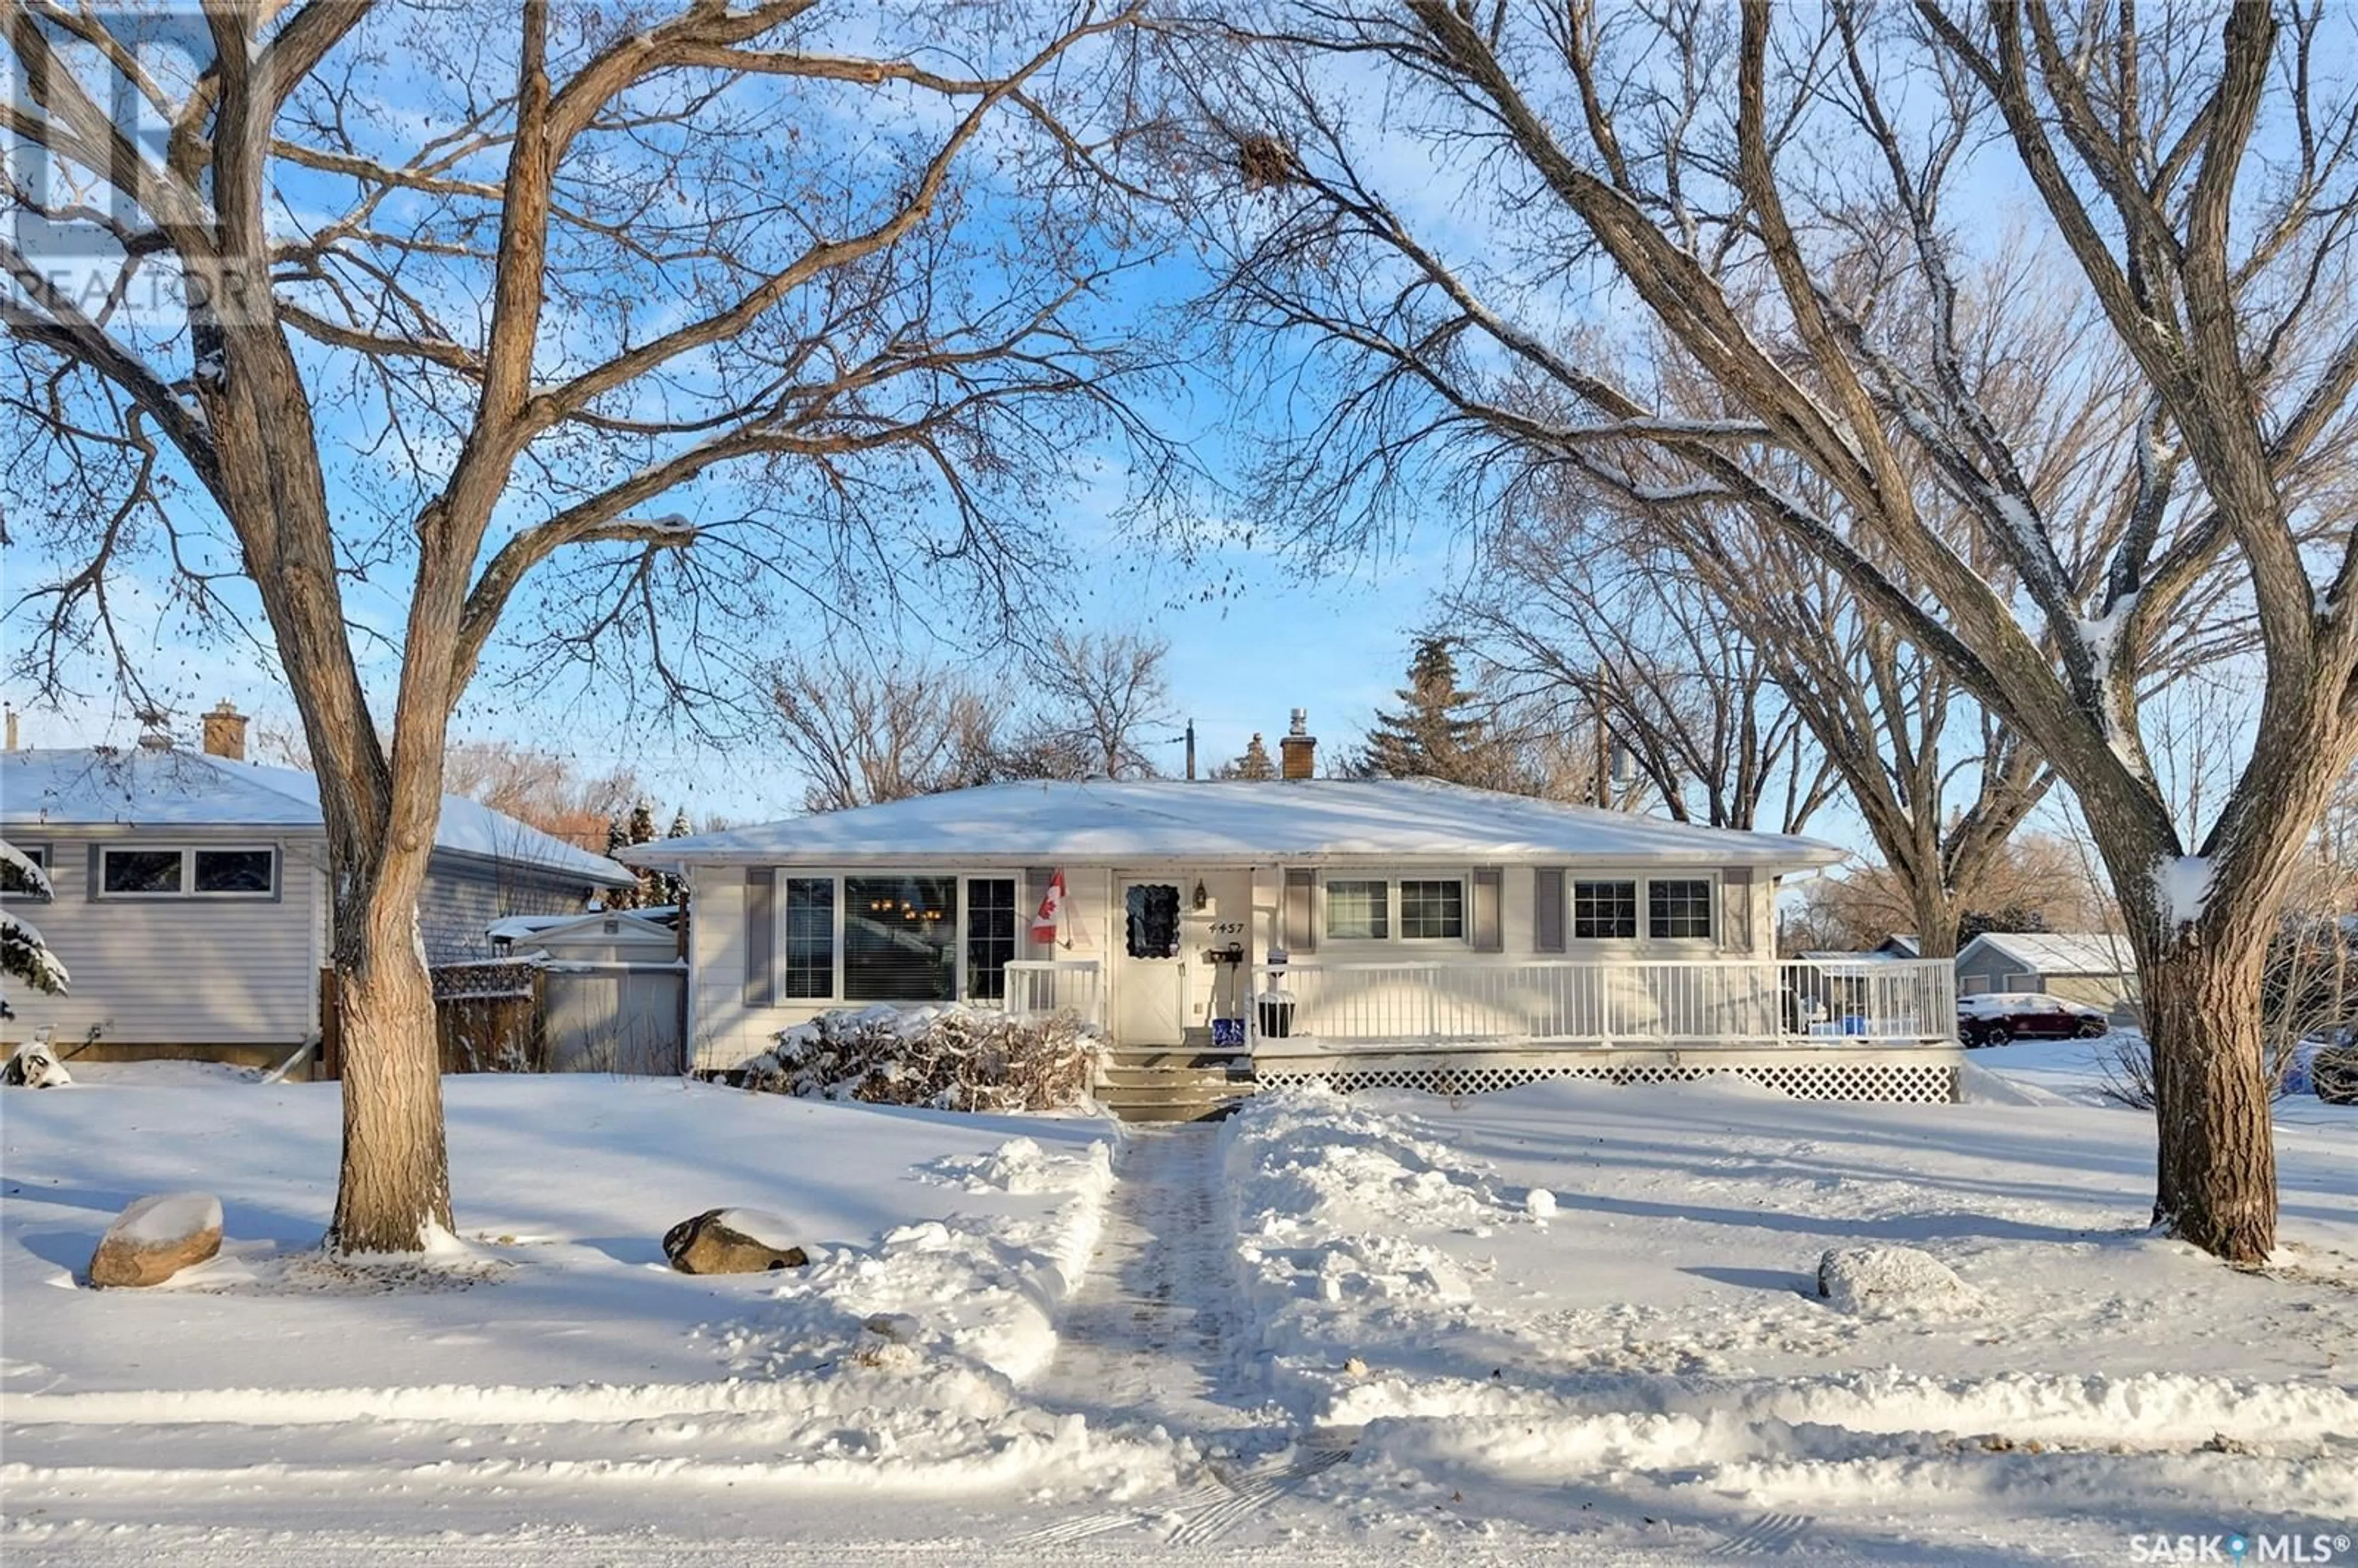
(455, 308)
(540, 787)
(862, 734)
(1646, 663)
(1096, 698)
(1793, 204)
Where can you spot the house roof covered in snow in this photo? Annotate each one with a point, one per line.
(139, 787)
(2056, 952)
(656, 920)
(1041, 823)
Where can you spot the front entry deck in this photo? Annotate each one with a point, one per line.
(1855, 1031)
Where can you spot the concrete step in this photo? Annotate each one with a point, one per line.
(1175, 1113)
(1177, 1057)
(1168, 1078)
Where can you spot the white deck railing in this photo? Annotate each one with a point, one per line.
(1698, 1002)
(1039, 986)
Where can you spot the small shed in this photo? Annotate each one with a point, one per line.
(648, 936)
(2094, 967)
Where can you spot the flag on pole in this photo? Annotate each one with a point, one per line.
(1052, 909)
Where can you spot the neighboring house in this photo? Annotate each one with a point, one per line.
(2091, 967)
(1384, 911)
(648, 936)
(191, 892)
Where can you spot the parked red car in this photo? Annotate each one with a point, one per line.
(1992, 1018)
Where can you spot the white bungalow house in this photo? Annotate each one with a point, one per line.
(1361, 931)
(191, 901)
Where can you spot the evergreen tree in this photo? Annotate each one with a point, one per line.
(1432, 735)
(24, 956)
(669, 889)
(618, 838)
(1254, 764)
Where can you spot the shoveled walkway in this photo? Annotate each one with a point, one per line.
(1154, 1337)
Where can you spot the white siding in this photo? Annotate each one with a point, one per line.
(177, 971)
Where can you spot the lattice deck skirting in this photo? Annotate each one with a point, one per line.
(1902, 1082)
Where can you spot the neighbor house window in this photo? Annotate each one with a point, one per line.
(1359, 911)
(809, 968)
(189, 873)
(1433, 910)
(1679, 911)
(1605, 912)
(39, 855)
(899, 938)
(990, 936)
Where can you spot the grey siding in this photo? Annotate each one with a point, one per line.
(463, 895)
(177, 971)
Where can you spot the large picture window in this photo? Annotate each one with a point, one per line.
(1359, 911)
(810, 968)
(990, 936)
(188, 873)
(899, 938)
(1679, 910)
(1605, 912)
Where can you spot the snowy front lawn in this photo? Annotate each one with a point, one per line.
(551, 1335)
(1571, 1303)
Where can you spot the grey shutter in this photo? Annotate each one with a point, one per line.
(1547, 909)
(1035, 888)
(1301, 925)
(1489, 894)
(761, 937)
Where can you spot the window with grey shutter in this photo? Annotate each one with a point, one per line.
(1547, 909)
(1489, 926)
(761, 937)
(1301, 895)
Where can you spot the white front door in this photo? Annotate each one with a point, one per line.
(1149, 998)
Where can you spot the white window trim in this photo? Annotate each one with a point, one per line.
(835, 997)
(42, 855)
(187, 892)
(1645, 941)
(1392, 879)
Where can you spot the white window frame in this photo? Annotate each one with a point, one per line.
(43, 856)
(1392, 880)
(837, 875)
(187, 891)
(1645, 940)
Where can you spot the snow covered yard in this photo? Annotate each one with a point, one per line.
(549, 1340)
(1584, 1308)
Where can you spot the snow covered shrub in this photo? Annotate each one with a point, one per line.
(953, 1058)
(2124, 1072)
(2333, 1073)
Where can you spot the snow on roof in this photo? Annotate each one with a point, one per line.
(654, 919)
(1054, 822)
(2059, 952)
(137, 787)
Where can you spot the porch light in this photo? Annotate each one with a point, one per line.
(1203, 899)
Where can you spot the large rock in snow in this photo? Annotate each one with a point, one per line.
(1875, 1280)
(731, 1242)
(156, 1237)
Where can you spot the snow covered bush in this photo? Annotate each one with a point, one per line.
(22, 955)
(954, 1058)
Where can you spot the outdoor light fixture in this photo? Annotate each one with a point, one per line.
(1203, 899)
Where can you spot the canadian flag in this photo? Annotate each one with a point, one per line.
(1052, 909)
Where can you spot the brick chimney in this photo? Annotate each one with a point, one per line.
(1298, 752)
(226, 732)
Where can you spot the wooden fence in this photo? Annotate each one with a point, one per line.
(515, 1017)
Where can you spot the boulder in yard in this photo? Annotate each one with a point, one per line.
(2333, 1073)
(156, 1237)
(1875, 1280)
(731, 1242)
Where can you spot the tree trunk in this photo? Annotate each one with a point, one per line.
(1936, 917)
(2216, 1179)
(394, 1188)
